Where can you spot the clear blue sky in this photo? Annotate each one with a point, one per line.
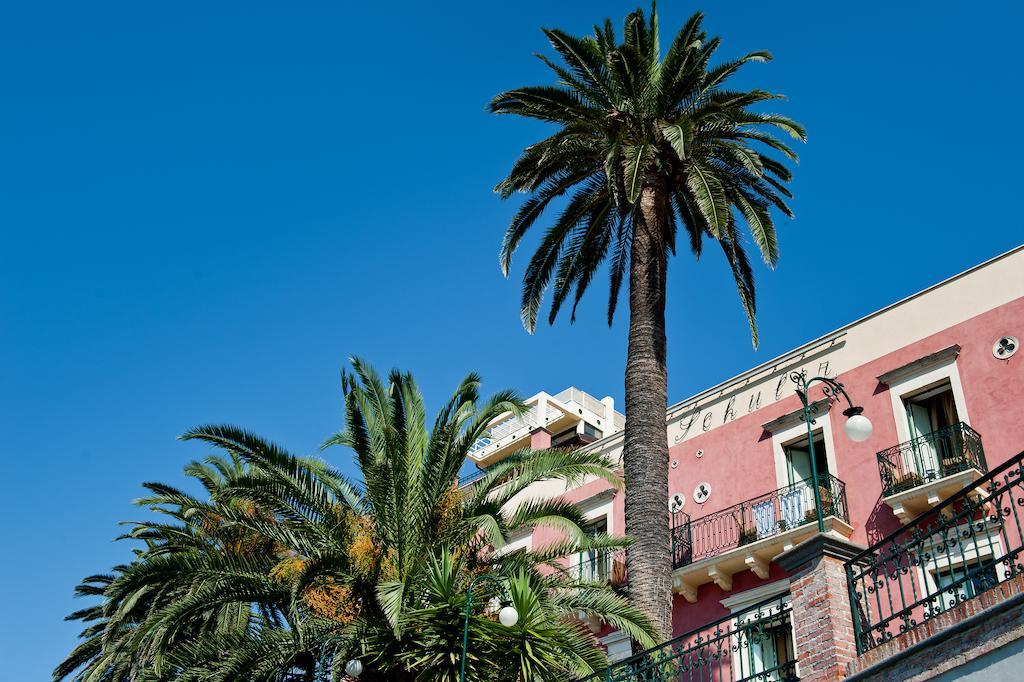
(206, 207)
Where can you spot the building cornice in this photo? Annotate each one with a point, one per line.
(808, 351)
(677, 409)
(597, 498)
(816, 547)
(793, 418)
(741, 601)
(921, 365)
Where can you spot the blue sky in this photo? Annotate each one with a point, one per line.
(207, 207)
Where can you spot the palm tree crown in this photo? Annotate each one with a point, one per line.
(284, 570)
(644, 144)
(627, 116)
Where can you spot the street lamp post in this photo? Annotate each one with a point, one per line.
(857, 427)
(507, 616)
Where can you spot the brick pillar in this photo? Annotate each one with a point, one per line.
(822, 621)
(540, 439)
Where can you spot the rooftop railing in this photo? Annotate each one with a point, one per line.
(755, 519)
(930, 457)
(754, 645)
(950, 554)
(515, 426)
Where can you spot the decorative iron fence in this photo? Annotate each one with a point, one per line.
(682, 543)
(756, 519)
(754, 645)
(969, 543)
(930, 457)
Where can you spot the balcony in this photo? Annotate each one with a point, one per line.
(513, 432)
(598, 566)
(943, 568)
(919, 474)
(751, 534)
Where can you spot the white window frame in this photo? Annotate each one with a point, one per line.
(785, 437)
(596, 508)
(989, 548)
(739, 605)
(523, 540)
(613, 644)
(905, 388)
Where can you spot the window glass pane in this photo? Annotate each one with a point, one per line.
(765, 646)
(965, 580)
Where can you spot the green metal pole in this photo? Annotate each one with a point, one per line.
(804, 398)
(465, 628)
(465, 625)
(465, 633)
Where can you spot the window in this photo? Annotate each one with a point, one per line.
(931, 409)
(790, 447)
(567, 437)
(798, 460)
(934, 445)
(964, 562)
(766, 649)
(966, 581)
(926, 394)
(595, 564)
(618, 646)
(797, 503)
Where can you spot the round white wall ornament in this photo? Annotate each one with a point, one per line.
(700, 453)
(675, 464)
(1005, 347)
(702, 492)
(676, 502)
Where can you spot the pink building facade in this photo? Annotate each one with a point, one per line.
(938, 375)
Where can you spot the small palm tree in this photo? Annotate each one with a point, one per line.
(645, 146)
(286, 569)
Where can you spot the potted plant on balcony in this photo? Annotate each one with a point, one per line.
(825, 495)
(906, 481)
(746, 534)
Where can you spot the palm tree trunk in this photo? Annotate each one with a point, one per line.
(645, 447)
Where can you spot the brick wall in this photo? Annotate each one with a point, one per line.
(822, 622)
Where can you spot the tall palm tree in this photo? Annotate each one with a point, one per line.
(284, 569)
(644, 145)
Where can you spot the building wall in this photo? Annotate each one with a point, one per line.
(739, 457)
(739, 460)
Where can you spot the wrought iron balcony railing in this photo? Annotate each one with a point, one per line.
(754, 645)
(755, 519)
(599, 566)
(472, 477)
(967, 544)
(682, 545)
(930, 457)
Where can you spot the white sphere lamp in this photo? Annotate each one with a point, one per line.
(858, 427)
(508, 616)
